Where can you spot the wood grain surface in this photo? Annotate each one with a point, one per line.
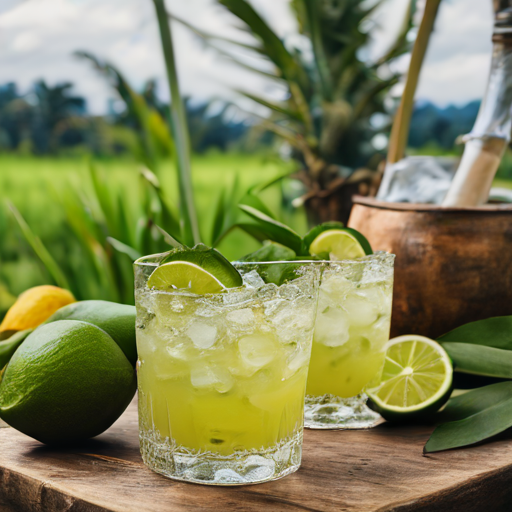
(382, 469)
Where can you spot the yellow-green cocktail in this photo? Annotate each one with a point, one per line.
(351, 331)
(222, 378)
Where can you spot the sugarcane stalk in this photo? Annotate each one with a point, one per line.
(489, 138)
(402, 121)
(179, 127)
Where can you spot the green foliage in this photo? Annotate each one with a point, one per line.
(473, 417)
(94, 249)
(482, 349)
(331, 98)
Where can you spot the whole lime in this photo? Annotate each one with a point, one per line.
(68, 381)
(118, 320)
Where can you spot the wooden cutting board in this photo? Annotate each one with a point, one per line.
(382, 469)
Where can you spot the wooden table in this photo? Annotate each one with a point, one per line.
(378, 470)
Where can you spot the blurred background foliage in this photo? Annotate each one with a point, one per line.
(81, 196)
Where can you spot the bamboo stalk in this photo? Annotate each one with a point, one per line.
(180, 131)
(402, 121)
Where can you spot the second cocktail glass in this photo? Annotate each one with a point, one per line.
(351, 331)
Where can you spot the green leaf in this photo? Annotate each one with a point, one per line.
(274, 230)
(322, 64)
(254, 201)
(104, 197)
(46, 258)
(132, 253)
(480, 414)
(212, 37)
(191, 233)
(276, 107)
(219, 215)
(493, 332)
(9, 346)
(480, 359)
(271, 251)
(273, 47)
(173, 242)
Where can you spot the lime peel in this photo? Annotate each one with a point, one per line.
(419, 374)
(179, 275)
(341, 243)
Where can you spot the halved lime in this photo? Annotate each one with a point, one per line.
(416, 381)
(201, 270)
(341, 243)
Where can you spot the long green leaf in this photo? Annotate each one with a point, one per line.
(132, 253)
(270, 105)
(273, 46)
(480, 359)
(493, 332)
(274, 230)
(254, 201)
(46, 258)
(321, 62)
(488, 410)
(105, 199)
(191, 234)
(213, 37)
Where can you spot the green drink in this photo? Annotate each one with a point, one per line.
(222, 376)
(351, 331)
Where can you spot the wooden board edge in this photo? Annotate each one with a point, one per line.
(490, 491)
(23, 493)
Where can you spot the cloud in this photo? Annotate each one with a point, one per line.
(38, 38)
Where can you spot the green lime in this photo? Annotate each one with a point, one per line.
(201, 270)
(118, 320)
(341, 243)
(67, 381)
(416, 381)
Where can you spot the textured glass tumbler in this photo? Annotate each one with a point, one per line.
(222, 377)
(351, 331)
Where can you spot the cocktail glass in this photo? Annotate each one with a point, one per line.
(351, 331)
(222, 377)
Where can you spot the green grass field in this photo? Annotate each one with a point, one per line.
(34, 186)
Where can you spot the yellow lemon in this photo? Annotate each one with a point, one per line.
(33, 307)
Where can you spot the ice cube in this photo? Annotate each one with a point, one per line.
(177, 351)
(331, 327)
(299, 360)
(206, 376)
(291, 319)
(417, 179)
(253, 280)
(256, 350)
(257, 467)
(203, 335)
(289, 291)
(378, 297)
(228, 476)
(335, 286)
(360, 310)
(241, 318)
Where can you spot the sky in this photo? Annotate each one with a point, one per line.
(38, 38)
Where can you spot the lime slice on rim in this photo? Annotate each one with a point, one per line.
(341, 243)
(416, 381)
(200, 270)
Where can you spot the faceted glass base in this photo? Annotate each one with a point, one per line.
(241, 468)
(333, 412)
